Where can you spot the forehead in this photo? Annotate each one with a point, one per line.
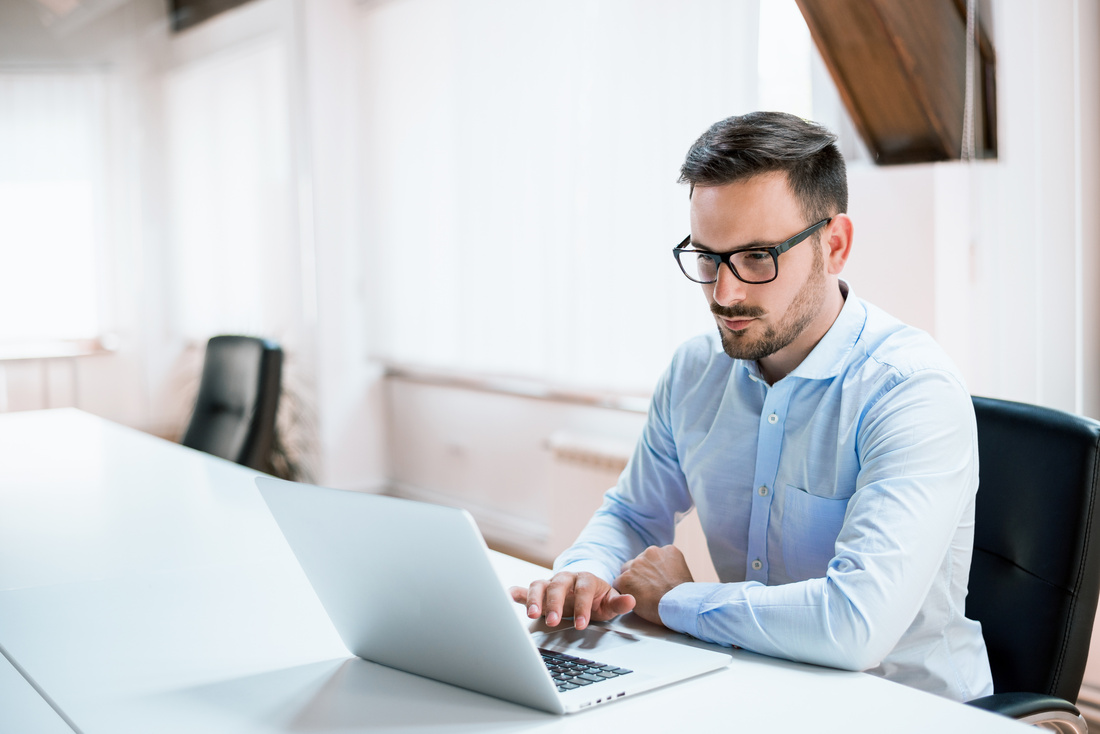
(761, 209)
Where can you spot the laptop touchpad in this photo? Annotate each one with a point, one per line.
(582, 643)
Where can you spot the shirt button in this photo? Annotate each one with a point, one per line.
(757, 565)
(773, 419)
(763, 491)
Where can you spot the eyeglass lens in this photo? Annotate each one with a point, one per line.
(753, 266)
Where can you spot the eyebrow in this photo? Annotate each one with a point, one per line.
(749, 246)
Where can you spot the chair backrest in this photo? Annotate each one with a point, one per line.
(238, 400)
(1036, 569)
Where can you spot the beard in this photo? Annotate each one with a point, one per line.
(804, 308)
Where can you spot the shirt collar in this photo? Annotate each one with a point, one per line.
(831, 353)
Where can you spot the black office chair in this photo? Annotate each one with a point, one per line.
(1036, 569)
(238, 400)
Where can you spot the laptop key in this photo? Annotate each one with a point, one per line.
(569, 672)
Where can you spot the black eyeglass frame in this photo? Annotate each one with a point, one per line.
(775, 251)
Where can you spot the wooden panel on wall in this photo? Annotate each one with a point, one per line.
(900, 68)
(188, 13)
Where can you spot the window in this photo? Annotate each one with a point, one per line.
(52, 195)
(230, 201)
(521, 161)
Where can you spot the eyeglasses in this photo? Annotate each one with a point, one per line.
(753, 265)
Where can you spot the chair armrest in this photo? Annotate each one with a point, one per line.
(1032, 708)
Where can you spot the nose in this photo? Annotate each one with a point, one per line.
(728, 289)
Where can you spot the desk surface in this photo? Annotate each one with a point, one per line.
(145, 587)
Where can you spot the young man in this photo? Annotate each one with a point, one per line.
(829, 450)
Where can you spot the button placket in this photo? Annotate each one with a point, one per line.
(768, 451)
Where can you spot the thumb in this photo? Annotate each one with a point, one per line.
(619, 603)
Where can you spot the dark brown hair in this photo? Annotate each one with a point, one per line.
(743, 146)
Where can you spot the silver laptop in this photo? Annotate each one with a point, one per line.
(410, 585)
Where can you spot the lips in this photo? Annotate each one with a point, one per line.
(737, 324)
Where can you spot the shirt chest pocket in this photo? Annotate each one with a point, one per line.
(811, 525)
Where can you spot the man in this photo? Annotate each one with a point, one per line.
(829, 450)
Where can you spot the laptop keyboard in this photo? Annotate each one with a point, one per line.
(572, 672)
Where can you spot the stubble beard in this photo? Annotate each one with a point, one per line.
(804, 308)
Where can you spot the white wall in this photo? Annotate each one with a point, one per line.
(999, 259)
(491, 454)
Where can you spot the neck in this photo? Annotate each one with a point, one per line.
(775, 367)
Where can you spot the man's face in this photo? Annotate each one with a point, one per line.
(758, 321)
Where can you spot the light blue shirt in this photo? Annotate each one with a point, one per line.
(838, 504)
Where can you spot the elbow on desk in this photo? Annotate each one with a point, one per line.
(845, 654)
(855, 658)
(855, 634)
(848, 644)
(851, 642)
(831, 650)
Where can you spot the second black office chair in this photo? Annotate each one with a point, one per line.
(1036, 569)
(238, 401)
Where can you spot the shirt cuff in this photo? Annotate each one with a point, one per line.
(681, 608)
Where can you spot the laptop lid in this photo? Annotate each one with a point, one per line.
(411, 585)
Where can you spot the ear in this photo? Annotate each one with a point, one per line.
(837, 240)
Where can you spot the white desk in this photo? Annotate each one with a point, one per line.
(145, 588)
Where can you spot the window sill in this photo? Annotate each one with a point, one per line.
(521, 387)
(53, 349)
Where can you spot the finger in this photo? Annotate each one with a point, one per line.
(557, 591)
(518, 594)
(585, 590)
(534, 598)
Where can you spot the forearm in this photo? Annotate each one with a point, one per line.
(610, 538)
(643, 507)
(810, 621)
(901, 543)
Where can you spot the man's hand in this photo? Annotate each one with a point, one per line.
(583, 596)
(651, 575)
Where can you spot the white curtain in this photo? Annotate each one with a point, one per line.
(52, 139)
(520, 178)
(231, 218)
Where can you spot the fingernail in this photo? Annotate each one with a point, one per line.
(552, 618)
(533, 611)
(580, 623)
